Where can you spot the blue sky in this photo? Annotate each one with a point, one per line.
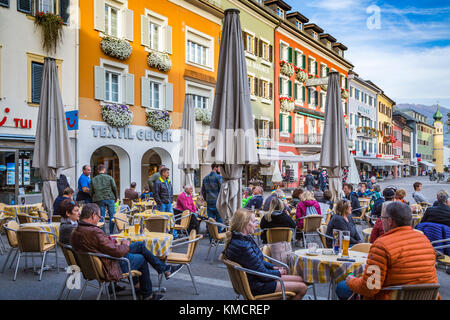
(405, 49)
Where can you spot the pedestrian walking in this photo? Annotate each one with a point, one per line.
(104, 194)
(84, 184)
(210, 192)
(309, 181)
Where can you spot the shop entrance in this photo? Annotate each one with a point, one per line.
(150, 164)
(110, 160)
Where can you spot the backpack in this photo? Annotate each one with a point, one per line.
(311, 210)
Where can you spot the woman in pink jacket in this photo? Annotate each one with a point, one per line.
(307, 206)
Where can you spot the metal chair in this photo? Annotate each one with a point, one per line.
(323, 237)
(310, 225)
(25, 218)
(31, 240)
(156, 224)
(361, 247)
(215, 238)
(426, 291)
(128, 202)
(441, 258)
(11, 234)
(121, 221)
(70, 256)
(278, 234)
(185, 219)
(185, 258)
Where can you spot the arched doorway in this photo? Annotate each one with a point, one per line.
(151, 160)
(117, 164)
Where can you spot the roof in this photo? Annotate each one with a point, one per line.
(437, 115)
(281, 3)
(328, 37)
(339, 45)
(297, 15)
(313, 26)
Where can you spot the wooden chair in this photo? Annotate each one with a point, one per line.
(11, 234)
(184, 219)
(185, 258)
(216, 239)
(362, 216)
(310, 225)
(239, 280)
(92, 268)
(330, 214)
(156, 224)
(361, 247)
(31, 240)
(426, 291)
(279, 234)
(3, 221)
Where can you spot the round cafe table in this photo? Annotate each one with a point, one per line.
(326, 268)
(156, 242)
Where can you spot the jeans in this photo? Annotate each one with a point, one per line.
(343, 291)
(214, 213)
(111, 209)
(139, 256)
(165, 207)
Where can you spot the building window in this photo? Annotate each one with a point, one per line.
(155, 94)
(36, 74)
(249, 43)
(299, 25)
(264, 89)
(314, 35)
(154, 36)
(200, 102)
(112, 86)
(111, 20)
(35, 66)
(265, 50)
(45, 6)
(280, 13)
(251, 84)
(199, 49)
(197, 53)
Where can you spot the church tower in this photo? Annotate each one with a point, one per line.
(438, 141)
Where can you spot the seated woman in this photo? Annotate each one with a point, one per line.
(343, 221)
(275, 217)
(241, 248)
(70, 213)
(400, 195)
(296, 197)
(307, 206)
(146, 193)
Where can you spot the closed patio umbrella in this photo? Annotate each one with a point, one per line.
(334, 153)
(232, 141)
(52, 151)
(353, 176)
(188, 151)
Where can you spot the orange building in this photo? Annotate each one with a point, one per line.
(302, 51)
(131, 103)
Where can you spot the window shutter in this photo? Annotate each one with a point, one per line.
(328, 71)
(169, 96)
(99, 15)
(295, 91)
(309, 96)
(24, 6)
(303, 93)
(309, 65)
(257, 127)
(270, 53)
(280, 88)
(128, 23)
(281, 51)
(271, 129)
(36, 81)
(145, 31)
(129, 89)
(260, 88)
(145, 92)
(4, 3)
(346, 83)
(168, 38)
(316, 97)
(255, 87)
(244, 39)
(289, 54)
(290, 124)
(271, 91)
(303, 61)
(315, 67)
(99, 79)
(64, 10)
(295, 58)
(290, 88)
(281, 122)
(256, 50)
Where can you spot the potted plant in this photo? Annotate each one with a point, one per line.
(116, 48)
(160, 61)
(287, 104)
(51, 29)
(117, 115)
(344, 94)
(203, 115)
(301, 74)
(286, 68)
(158, 120)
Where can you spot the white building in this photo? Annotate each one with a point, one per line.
(21, 65)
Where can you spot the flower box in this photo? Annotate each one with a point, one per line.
(203, 115)
(117, 115)
(301, 75)
(160, 61)
(116, 48)
(158, 120)
(287, 104)
(52, 28)
(344, 94)
(286, 69)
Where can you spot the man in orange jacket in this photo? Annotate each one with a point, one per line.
(401, 256)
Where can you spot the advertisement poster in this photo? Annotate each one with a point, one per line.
(10, 173)
(26, 172)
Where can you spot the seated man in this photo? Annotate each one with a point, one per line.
(363, 191)
(439, 213)
(67, 194)
(90, 238)
(246, 195)
(146, 193)
(186, 202)
(393, 258)
(417, 194)
(256, 202)
(388, 195)
(353, 198)
(132, 193)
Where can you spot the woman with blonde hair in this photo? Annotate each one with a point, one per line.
(400, 195)
(307, 206)
(276, 217)
(241, 248)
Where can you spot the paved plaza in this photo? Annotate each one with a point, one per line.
(211, 276)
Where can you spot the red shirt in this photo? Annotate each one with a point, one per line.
(376, 231)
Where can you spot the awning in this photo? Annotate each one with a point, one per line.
(376, 162)
(428, 164)
(275, 155)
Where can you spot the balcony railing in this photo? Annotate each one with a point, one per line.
(301, 138)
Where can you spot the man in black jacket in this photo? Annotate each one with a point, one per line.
(163, 192)
(440, 212)
(309, 181)
(388, 195)
(353, 198)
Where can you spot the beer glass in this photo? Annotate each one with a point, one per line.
(345, 243)
(136, 226)
(125, 231)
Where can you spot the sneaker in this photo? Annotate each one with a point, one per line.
(154, 296)
(172, 270)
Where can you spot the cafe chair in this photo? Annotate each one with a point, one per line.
(128, 202)
(156, 224)
(11, 234)
(310, 225)
(442, 258)
(3, 246)
(184, 219)
(92, 268)
(34, 241)
(239, 280)
(425, 291)
(361, 247)
(415, 221)
(366, 234)
(278, 234)
(323, 237)
(184, 259)
(121, 220)
(425, 206)
(25, 218)
(362, 216)
(70, 256)
(216, 239)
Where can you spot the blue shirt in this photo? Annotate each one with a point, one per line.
(84, 182)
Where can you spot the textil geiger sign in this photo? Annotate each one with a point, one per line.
(99, 131)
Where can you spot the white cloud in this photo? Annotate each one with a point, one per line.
(334, 4)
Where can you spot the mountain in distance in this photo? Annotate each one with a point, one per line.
(428, 111)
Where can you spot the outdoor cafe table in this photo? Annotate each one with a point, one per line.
(13, 210)
(156, 242)
(150, 213)
(326, 268)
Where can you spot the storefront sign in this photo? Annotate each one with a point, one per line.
(18, 122)
(72, 120)
(127, 133)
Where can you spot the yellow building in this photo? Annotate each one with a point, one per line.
(385, 129)
(438, 141)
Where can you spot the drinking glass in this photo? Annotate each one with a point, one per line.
(136, 226)
(345, 243)
(336, 241)
(312, 247)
